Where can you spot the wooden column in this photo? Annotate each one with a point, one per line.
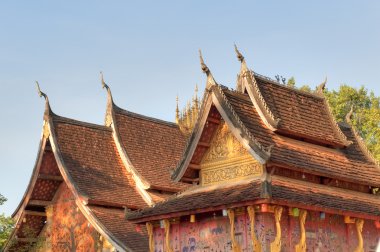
(275, 246)
(235, 245)
(301, 246)
(256, 245)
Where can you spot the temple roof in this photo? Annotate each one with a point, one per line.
(134, 237)
(92, 161)
(349, 164)
(279, 190)
(153, 147)
(301, 114)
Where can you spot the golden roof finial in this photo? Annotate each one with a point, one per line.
(104, 85)
(242, 60)
(40, 93)
(206, 70)
(177, 111)
(321, 87)
(349, 115)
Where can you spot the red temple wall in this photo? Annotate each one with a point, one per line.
(213, 234)
(66, 228)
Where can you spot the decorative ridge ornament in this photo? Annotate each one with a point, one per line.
(241, 59)
(40, 93)
(108, 117)
(321, 87)
(362, 145)
(210, 79)
(349, 115)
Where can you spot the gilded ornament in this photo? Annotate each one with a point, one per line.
(234, 243)
(255, 242)
(149, 228)
(167, 235)
(275, 246)
(301, 246)
(359, 229)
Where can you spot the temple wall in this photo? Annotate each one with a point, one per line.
(213, 234)
(67, 229)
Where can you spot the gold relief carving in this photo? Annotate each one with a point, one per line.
(149, 227)
(301, 246)
(235, 245)
(275, 246)
(359, 228)
(255, 242)
(227, 159)
(232, 171)
(167, 235)
(224, 145)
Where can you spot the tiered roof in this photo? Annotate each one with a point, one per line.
(135, 161)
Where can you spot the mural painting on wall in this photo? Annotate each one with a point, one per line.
(327, 234)
(66, 227)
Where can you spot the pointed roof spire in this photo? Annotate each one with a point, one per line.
(108, 118)
(349, 115)
(210, 79)
(40, 93)
(242, 60)
(321, 87)
(177, 116)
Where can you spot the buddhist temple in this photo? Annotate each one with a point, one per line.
(260, 167)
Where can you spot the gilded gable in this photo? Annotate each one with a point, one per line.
(227, 159)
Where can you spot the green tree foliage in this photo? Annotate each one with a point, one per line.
(6, 225)
(366, 118)
(291, 82)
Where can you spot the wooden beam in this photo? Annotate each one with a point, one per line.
(213, 120)
(34, 213)
(204, 144)
(192, 180)
(50, 177)
(43, 203)
(194, 166)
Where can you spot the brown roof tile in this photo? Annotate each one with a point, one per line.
(348, 164)
(282, 191)
(153, 146)
(301, 114)
(301, 192)
(92, 161)
(129, 234)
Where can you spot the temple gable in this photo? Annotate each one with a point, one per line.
(227, 160)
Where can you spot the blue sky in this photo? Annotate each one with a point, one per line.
(148, 51)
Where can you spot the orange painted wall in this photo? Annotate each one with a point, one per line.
(66, 228)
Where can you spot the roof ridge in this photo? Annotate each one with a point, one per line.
(58, 118)
(240, 122)
(144, 117)
(268, 79)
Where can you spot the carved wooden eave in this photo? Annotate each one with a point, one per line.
(214, 96)
(110, 121)
(247, 83)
